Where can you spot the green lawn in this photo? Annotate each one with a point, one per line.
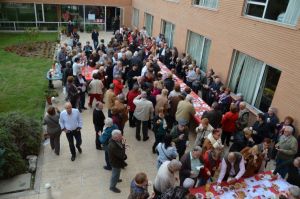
(22, 79)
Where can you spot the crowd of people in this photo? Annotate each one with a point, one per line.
(128, 81)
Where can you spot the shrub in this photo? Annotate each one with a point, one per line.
(12, 162)
(25, 132)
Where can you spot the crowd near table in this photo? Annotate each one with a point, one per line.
(261, 186)
(199, 105)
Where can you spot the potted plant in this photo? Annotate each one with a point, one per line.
(49, 93)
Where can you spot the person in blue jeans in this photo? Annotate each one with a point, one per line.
(105, 137)
(117, 156)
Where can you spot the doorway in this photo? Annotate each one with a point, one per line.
(113, 13)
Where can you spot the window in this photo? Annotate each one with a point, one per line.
(149, 23)
(17, 12)
(168, 29)
(253, 78)
(198, 47)
(282, 11)
(51, 12)
(95, 14)
(206, 3)
(135, 17)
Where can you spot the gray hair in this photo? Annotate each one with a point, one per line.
(243, 104)
(289, 129)
(197, 148)
(189, 98)
(215, 105)
(116, 132)
(272, 109)
(108, 122)
(294, 191)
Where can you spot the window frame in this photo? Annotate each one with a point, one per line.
(261, 75)
(133, 17)
(202, 47)
(163, 28)
(263, 19)
(152, 19)
(205, 7)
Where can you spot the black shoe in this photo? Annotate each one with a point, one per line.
(99, 148)
(79, 150)
(138, 138)
(73, 157)
(153, 151)
(120, 180)
(57, 153)
(115, 189)
(107, 168)
(80, 110)
(145, 139)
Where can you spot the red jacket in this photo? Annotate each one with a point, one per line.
(228, 121)
(118, 86)
(209, 165)
(130, 97)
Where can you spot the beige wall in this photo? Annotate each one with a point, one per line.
(277, 45)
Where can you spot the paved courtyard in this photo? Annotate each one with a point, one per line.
(85, 178)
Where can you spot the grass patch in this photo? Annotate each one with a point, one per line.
(23, 79)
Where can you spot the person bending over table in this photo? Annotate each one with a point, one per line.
(232, 168)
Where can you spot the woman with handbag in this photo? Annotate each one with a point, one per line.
(51, 120)
(166, 150)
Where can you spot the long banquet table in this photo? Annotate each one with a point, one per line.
(199, 105)
(258, 187)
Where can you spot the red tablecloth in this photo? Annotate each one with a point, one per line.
(258, 186)
(199, 105)
(87, 72)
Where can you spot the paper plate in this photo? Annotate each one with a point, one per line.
(209, 195)
(199, 196)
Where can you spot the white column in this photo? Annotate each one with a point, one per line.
(105, 20)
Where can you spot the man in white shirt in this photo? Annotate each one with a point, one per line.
(143, 113)
(166, 176)
(71, 122)
(232, 168)
(77, 66)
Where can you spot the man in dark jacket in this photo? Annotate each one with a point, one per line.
(169, 83)
(180, 136)
(95, 35)
(132, 76)
(116, 154)
(293, 171)
(260, 129)
(214, 116)
(98, 120)
(191, 165)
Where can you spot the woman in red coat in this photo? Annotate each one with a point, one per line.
(118, 85)
(211, 160)
(133, 93)
(228, 123)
